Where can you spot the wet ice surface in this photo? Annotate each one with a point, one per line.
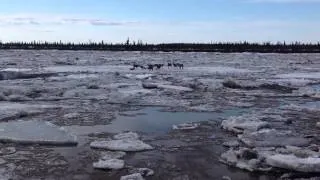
(94, 95)
(35, 132)
(151, 120)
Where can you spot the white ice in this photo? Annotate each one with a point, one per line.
(243, 123)
(309, 75)
(136, 176)
(171, 87)
(266, 138)
(109, 164)
(128, 142)
(292, 162)
(16, 69)
(185, 126)
(295, 82)
(127, 145)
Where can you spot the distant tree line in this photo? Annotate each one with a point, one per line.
(266, 47)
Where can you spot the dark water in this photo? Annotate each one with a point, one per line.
(153, 120)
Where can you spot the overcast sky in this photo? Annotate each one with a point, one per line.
(157, 21)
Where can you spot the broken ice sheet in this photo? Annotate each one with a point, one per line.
(35, 132)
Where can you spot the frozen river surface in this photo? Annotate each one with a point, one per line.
(240, 116)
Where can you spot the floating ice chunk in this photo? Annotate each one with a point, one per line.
(243, 123)
(128, 135)
(16, 69)
(241, 160)
(219, 70)
(109, 164)
(292, 162)
(81, 76)
(8, 150)
(185, 126)
(149, 85)
(145, 172)
(136, 176)
(35, 132)
(231, 144)
(318, 124)
(292, 82)
(127, 145)
(266, 138)
(177, 88)
(310, 75)
(71, 115)
(144, 76)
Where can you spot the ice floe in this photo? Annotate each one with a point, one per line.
(123, 142)
(295, 82)
(292, 162)
(309, 75)
(219, 70)
(271, 138)
(145, 172)
(231, 144)
(144, 76)
(185, 126)
(177, 88)
(136, 176)
(244, 123)
(109, 164)
(245, 159)
(127, 145)
(35, 132)
(247, 85)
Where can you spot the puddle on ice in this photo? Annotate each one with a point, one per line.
(152, 120)
(35, 132)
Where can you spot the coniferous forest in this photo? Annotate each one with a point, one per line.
(267, 47)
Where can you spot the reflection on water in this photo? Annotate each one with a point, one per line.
(152, 120)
